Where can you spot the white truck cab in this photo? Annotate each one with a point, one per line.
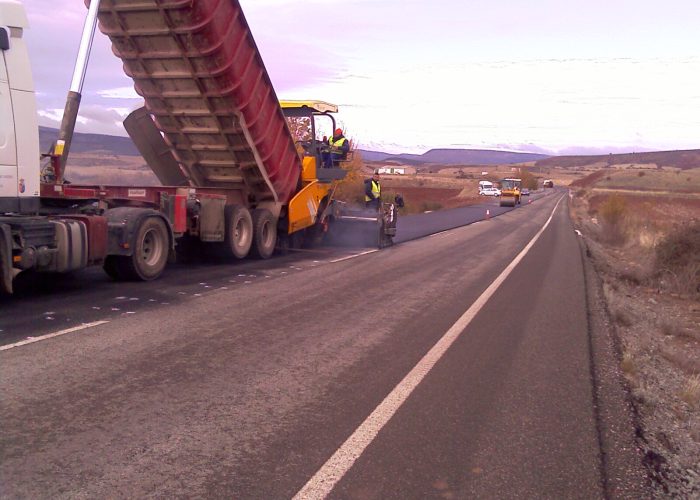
(19, 132)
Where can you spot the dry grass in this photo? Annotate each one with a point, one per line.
(645, 395)
(647, 281)
(663, 236)
(670, 328)
(618, 314)
(682, 358)
(627, 364)
(621, 317)
(691, 392)
(678, 259)
(613, 213)
(352, 188)
(417, 199)
(652, 180)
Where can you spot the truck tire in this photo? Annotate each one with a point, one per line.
(150, 256)
(238, 233)
(264, 234)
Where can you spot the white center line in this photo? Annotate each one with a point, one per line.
(355, 255)
(323, 482)
(52, 335)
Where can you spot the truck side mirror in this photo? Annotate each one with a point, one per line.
(4, 38)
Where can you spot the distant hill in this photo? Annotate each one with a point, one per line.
(456, 157)
(373, 155)
(684, 160)
(123, 146)
(90, 143)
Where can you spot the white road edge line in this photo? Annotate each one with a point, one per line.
(323, 482)
(52, 335)
(441, 233)
(355, 255)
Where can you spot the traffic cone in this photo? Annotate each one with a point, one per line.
(488, 214)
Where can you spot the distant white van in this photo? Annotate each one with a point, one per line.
(485, 185)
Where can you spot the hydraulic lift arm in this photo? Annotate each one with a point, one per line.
(70, 114)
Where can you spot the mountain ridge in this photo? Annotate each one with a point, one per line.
(682, 159)
(456, 156)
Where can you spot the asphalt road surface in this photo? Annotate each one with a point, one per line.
(418, 371)
(43, 304)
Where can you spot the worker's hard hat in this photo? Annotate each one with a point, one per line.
(339, 131)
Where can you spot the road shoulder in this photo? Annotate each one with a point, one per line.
(623, 473)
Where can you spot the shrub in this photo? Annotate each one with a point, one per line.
(529, 181)
(691, 392)
(389, 195)
(352, 188)
(678, 258)
(627, 364)
(613, 212)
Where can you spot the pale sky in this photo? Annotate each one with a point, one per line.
(583, 76)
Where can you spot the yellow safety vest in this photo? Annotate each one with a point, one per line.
(376, 191)
(337, 144)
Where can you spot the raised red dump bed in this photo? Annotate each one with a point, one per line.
(203, 80)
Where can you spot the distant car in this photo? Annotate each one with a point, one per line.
(525, 192)
(490, 192)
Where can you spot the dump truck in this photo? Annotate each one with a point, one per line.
(511, 192)
(212, 130)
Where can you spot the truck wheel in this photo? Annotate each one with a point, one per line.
(264, 234)
(151, 250)
(150, 254)
(238, 236)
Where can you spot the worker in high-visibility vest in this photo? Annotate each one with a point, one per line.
(373, 192)
(339, 147)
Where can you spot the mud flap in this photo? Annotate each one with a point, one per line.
(5, 260)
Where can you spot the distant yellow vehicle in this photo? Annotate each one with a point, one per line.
(511, 191)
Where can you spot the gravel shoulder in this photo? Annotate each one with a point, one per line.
(649, 339)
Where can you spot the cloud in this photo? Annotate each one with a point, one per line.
(93, 118)
(533, 75)
(119, 93)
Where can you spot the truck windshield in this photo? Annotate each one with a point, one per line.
(510, 183)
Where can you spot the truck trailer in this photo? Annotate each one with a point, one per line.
(211, 129)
